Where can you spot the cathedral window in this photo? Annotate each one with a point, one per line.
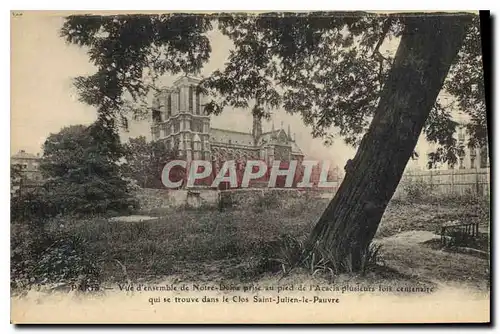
(169, 105)
(196, 125)
(179, 100)
(198, 103)
(190, 99)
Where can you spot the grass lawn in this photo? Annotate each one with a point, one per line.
(208, 245)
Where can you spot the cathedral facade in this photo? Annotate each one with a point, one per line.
(180, 121)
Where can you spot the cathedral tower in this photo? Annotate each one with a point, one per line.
(256, 128)
(183, 119)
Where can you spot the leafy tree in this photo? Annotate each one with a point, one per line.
(15, 173)
(16, 177)
(130, 52)
(145, 161)
(331, 70)
(466, 83)
(82, 171)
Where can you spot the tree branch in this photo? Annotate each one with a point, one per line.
(376, 52)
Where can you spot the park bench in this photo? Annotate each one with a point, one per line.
(458, 230)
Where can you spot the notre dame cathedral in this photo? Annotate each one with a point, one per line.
(180, 121)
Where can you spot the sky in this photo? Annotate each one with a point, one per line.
(44, 100)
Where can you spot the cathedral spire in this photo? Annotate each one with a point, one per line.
(289, 133)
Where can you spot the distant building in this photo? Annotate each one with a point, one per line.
(472, 158)
(28, 165)
(180, 121)
(27, 173)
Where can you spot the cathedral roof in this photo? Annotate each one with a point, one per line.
(236, 137)
(180, 81)
(278, 136)
(268, 135)
(186, 79)
(296, 149)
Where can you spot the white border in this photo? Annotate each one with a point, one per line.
(184, 5)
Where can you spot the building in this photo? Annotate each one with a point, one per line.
(28, 165)
(180, 121)
(27, 173)
(472, 158)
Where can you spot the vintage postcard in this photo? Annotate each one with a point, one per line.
(249, 168)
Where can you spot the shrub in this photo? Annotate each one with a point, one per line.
(38, 257)
(31, 205)
(418, 189)
(43, 203)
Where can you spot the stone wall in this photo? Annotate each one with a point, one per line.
(278, 197)
(163, 198)
(151, 199)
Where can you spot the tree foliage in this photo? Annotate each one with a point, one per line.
(337, 70)
(331, 70)
(15, 172)
(130, 52)
(145, 161)
(466, 82)
(83, 175)
(329, 67)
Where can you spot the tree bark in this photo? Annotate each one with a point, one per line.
(428, 46)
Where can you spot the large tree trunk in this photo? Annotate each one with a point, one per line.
(427, 48)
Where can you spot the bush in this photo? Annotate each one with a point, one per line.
(38, 257)
(41, 203)
(32, 205)
(418, 189)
